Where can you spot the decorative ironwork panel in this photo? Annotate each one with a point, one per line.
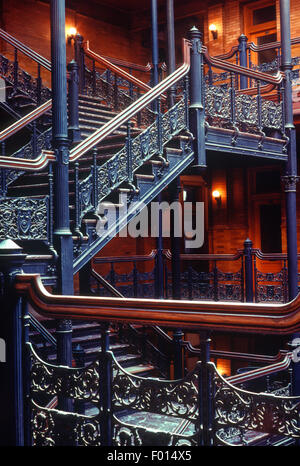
(43, 142)
(85, 188)
(24, 218)
(271, 114)
(246, 109)
(51, 380)
(247, 411)
(217, 102)
(113, 172)
(51, 427)
(172, 398)
(25, 83)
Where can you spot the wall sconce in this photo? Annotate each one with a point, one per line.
(71, 34)
(217, 197)
(213, 30)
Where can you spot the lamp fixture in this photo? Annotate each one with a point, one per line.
(213, 30)
(217, 196)
(71, 33)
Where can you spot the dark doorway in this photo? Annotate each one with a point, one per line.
(270, 228)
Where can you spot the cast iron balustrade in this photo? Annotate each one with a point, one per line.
(246, 54)
(214, 277)
(203, 408)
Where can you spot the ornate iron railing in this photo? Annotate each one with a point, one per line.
(202, 276)
(203, 408)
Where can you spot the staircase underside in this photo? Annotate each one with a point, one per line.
(249, 144)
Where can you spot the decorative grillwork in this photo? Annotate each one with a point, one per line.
(271, 286)
(222, 108)
(29, 151)
(128, 408)
(24, 218)
(21, 80)
(172, 398)
(247, 411)
(113, 172)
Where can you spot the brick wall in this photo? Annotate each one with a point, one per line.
(29, 21)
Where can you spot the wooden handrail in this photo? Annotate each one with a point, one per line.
(254, 74)
(280, 319)
(95, 138)
(24, 121)
(261, 371)
(25, 50)
(136, 258)
(108, 64)
(205, 257)
(124, 63)
(106, 284)
(256, 48)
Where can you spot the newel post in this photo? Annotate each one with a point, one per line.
(79, 58)
(197, 98)
(248, 270)
(12, 416)
(242, 49)
(73, 127)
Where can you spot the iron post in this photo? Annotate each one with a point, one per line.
(62, 236)
(248, 270)
(197, 111)
(73, 130)
(242, 49)
(290, 177)
(12, 348)
(171, 47)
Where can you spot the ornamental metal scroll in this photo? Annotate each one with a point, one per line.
(51, 427)
(221, 111)
(24, 218)
(177, 398)
(101, 87)
(25, 82)
(247, 411)
(43, 142)
(52, 380)
(113, 172)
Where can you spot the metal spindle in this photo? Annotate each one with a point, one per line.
(258, 97)
(215, 284)
(16, 68)
(77, 196)
(116, 93)
(95, 178)
(39, 87)
(94, 77)
(232, 99)
(129, 153)
(34, 140)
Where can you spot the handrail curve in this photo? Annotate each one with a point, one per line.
(25, 120)
(95, 138)
(108, 64)
(282, 319)
(26, 50)
(259, 75)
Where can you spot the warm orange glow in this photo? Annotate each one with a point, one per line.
(216, 194)
(71, 31)
(224, 367)
(212, 27)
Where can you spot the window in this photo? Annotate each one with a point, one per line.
(260, 28)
